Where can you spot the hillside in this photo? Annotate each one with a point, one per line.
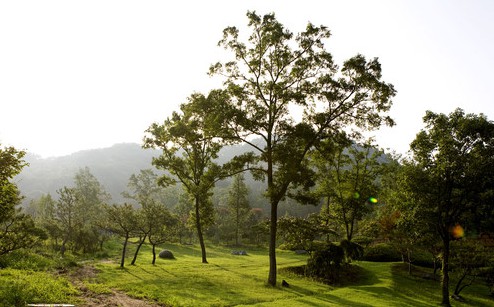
(112, 167)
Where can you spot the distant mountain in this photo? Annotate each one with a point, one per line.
(111, 166)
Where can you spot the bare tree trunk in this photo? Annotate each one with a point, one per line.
(445, 269)
(237, 223)
(122, 261)
(154, 254)
(272, 244)
(199, 233)
(137, 250)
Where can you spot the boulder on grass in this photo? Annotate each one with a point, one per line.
(166, 254)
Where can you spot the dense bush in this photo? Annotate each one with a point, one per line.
(326, 263)
(353, 251)
(381, 252)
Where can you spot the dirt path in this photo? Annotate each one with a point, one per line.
(92, 299)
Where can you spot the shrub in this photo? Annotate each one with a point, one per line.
(326, 263)
(25, 259)
(381, 252)
(353, 251)
(20, 287)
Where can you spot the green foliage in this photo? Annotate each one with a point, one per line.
(349, 178)
(326, 263)
(469, 258)
(353, 251)
(450, 179)
(20, 287)
(190, 146)
(381, 252)
(301, 233)
(17, 230)
(238, 205)
(274, 70)
(74, 221)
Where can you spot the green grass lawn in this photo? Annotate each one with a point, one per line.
(230, 280)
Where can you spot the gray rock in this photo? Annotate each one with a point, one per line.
(166, 254)
(243, 253)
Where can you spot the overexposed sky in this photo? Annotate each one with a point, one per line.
(78, 75)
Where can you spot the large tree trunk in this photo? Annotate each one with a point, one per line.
(199, 233)
(272, 244)
(138, 249)
(445, 273)
(122, 261)
(154, 254)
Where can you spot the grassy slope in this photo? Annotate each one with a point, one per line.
(240, 280)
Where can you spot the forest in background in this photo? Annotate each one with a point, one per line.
(113, 166)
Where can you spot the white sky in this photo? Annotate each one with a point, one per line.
(87, 74)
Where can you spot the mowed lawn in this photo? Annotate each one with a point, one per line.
(231, 280)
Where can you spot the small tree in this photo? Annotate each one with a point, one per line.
(468, 257)
(67, 216)
(190, 146)
(349, 179)
(161, 224)
(238, 204)
(43, 212)
(301, 233)
(122, 221)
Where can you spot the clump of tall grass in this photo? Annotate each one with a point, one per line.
(21, 287)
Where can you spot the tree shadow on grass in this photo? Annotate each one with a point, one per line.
(350, 275)
(311, 298)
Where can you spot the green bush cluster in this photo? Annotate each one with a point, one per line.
(326, 263)
(19, 287)
(30, 260)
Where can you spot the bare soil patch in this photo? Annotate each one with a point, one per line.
(91, 299)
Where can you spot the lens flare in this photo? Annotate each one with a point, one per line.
(457, 231)
(373, 200)
(356, 195)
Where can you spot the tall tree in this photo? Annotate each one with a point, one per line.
(190, 146)
(450, 176)
(143, 187)
(91, 196)
(17, 230)
(78, 212)
(67, 216)
(43, 212)
(275, 72)
(238, 203)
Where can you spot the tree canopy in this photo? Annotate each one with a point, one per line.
(190, 145)
(449, 180)
(274, 72)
